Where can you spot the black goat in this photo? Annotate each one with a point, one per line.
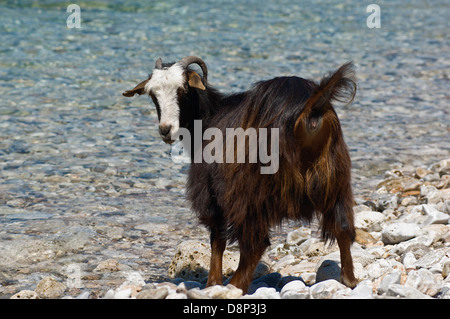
(233, 199)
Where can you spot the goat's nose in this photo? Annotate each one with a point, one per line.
(164, 130)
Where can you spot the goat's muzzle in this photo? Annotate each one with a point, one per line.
(164, 131)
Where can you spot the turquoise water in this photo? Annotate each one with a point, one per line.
(49, 71)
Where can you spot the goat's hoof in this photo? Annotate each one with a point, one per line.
(349, 282)
(210, 283)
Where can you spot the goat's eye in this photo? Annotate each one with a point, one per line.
(181, 91)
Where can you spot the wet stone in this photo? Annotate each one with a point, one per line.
(159, 293)
(25, 294)
(50, 288)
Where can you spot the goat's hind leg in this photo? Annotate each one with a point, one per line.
(347, 274)
(340, 224)
(345, 235)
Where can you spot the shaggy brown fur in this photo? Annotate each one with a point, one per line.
(237, 203)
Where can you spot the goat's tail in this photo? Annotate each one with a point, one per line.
(337, 86)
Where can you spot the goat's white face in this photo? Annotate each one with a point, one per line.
(164, 86)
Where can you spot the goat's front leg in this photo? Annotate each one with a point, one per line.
(250, 255)
(218, 244)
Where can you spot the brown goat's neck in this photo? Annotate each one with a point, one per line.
(205, 106)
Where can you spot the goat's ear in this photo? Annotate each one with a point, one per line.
(195, 80)
(139, 89)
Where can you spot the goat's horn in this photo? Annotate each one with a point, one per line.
(186, 61)
(158, 64)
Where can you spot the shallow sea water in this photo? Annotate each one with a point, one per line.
(84, 176)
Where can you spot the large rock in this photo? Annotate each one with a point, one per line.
(400, 291)
(191, 261)
(434, 216)
(369, 221)
(222, 292)
(326, 289)
(397, 232)
(264, 293)
(434, 259)
(388, 280)
(329, 266)
(328, 269)
(433, 195)
(424, 281)
(363, 290)
(25, 294)
(50, 288)
(442, 167)
(316, 247)
(157, 293)
(298, 236)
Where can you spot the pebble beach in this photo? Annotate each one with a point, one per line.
(92, 205)
(402, 250)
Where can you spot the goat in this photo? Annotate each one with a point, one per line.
(233, 200)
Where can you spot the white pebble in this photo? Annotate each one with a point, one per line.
(326, 289)
(109, 294)
(84, 295)
(295, 289)
(363, 290)
(396, 290)
(176, 296)
(434, 216)
(369, 221)
(388, 280)
(424, 281)
(294, 285)
(409, 260)
(123, 294)
(399, 232)
(265, 293)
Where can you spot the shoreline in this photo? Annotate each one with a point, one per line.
(402, 250)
